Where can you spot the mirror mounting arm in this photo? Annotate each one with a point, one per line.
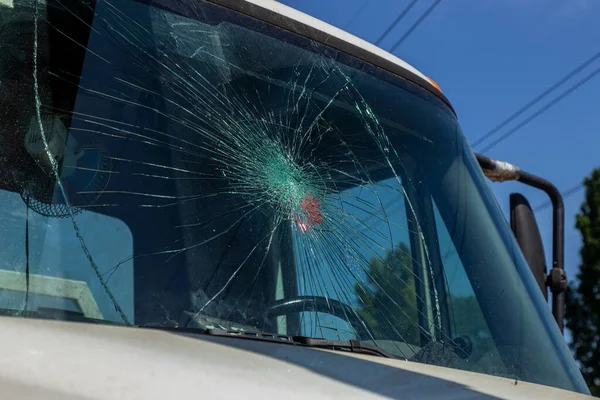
(500, 171)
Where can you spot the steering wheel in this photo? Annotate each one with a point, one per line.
(324, 305)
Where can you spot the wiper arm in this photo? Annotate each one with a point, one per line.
(353, 346)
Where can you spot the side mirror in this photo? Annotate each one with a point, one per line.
(525, 229)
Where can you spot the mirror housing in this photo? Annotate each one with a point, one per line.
(527, 233)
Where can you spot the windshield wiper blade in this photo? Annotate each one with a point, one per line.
(354, 346)
(56, 314)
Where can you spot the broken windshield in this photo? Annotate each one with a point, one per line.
(190, 166)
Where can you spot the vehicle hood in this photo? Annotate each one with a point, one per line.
(60, 360)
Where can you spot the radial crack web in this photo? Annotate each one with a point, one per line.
(261, 189)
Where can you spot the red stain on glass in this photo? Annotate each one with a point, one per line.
(310, 207)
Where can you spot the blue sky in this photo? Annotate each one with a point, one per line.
(490, 58)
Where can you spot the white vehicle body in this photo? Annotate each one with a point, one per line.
(57, 360)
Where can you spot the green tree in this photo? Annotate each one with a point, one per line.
(583, 297)
(389, 305)
(388, 301)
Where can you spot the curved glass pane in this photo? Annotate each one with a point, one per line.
(195, 167)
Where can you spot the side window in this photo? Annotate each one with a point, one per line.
(44, 268)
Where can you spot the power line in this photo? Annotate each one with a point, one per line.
(575, 189)
(542, 110)
(356, 14)
(415, 25)
(396, 21)
(527, 106)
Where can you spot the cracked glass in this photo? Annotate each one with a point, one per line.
(180, 164)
